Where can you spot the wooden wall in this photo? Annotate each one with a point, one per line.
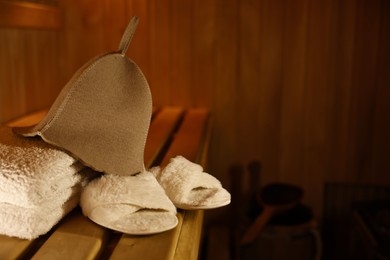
(302, 85)
(29, 55)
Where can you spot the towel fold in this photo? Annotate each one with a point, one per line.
(32, 196)
(29, 223)
(32, 171)
(39, 185)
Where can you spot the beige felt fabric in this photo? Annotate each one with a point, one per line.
(102, 115)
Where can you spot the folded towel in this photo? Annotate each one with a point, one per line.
(32, 170)
(33, 196)
(189, 187)
(33, 221)
(29, 223)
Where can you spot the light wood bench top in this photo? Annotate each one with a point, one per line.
(173, 131)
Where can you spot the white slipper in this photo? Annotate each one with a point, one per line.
(134, 205)
(189, 187)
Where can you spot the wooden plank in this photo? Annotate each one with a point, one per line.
(115, 18)
(226, 142)
(139, 47)
(293, 91)
(381, 137)
(76, 238)
(160, 130)
(204, 37)
(12, 247)
(181, 52)
(187, 142)
(204, 152)
(28, 120)
(344, 66)
(190, 236)
(29, 15)
(365, 87)
(193, 220)
(266, 126)
(83, 36)
(28, 75)
(160, 56)
(317, 97)
(158, 246)
(250, 43)
(35, 117)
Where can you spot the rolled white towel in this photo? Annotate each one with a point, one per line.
(32, 171)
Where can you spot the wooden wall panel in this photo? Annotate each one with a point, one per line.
(344, 58)
(140, 45)
(316, 100)
(293, 95)
(181, 53)
(224, 144)
(203, 51)
(160, 51)
(248, 88)
(29, 71)
(364, 88)
(300, 85)
(269, 88)
(380, 135)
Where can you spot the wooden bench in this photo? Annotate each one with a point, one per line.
(173, 131)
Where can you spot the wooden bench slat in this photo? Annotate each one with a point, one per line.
(196, 125)
(188, 141)
(28, 120)
(191, 231)
(12, 247)
(75, 238)
(157, 246)
(160, 131)
(69, 246)
(35, 117)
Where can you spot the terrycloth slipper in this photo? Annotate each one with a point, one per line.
(134, 205)
(189, 187)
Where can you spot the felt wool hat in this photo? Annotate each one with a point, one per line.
(103, 113)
